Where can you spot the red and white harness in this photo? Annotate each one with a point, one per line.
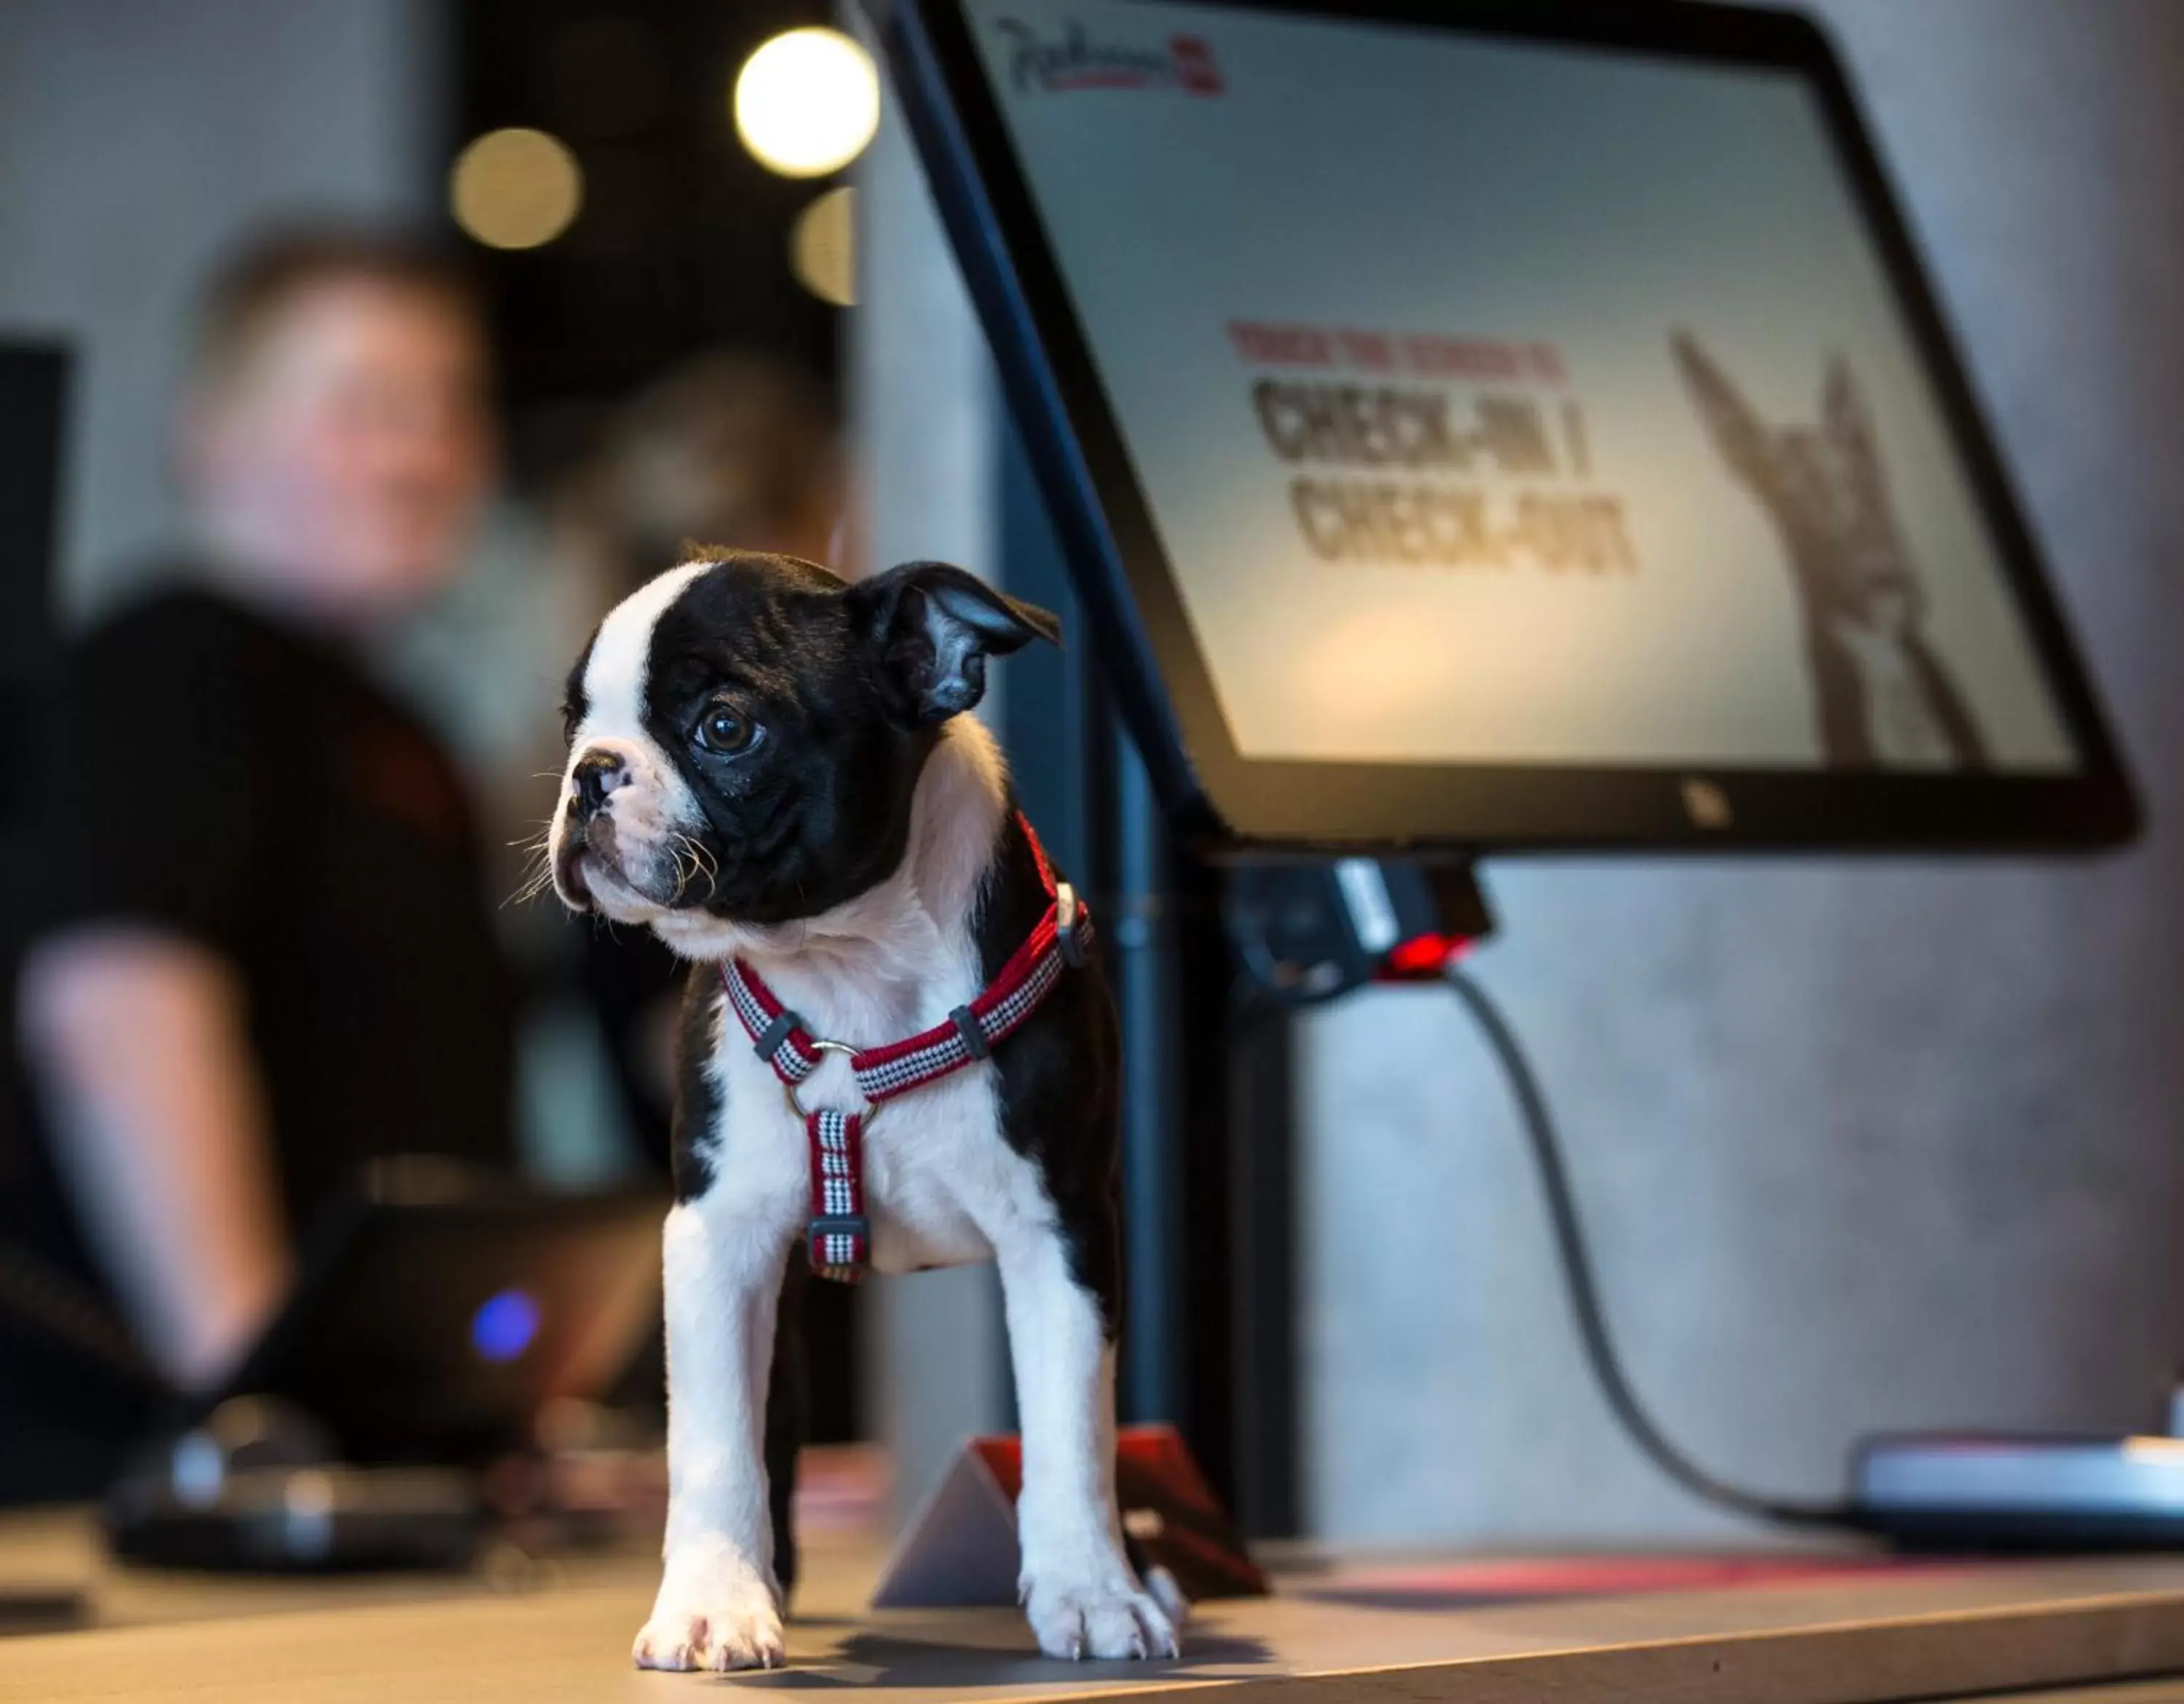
(839, 1239)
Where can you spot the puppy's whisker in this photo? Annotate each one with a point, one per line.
(535, 882)
(702, 860)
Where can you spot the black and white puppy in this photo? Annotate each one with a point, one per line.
(768, 763)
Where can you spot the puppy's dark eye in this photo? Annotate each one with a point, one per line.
(726, 730)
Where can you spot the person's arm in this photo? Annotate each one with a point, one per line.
(138, 1042)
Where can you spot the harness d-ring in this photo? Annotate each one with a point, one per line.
(789, 1089)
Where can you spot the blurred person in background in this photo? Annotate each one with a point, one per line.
(733, 448)
(263, 952)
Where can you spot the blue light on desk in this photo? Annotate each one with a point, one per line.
(503, 1325)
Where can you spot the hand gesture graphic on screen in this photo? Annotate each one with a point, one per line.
(1884, 695)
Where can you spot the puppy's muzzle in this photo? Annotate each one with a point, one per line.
(589, 826)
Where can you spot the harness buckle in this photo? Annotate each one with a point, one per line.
(974, 1039)
(1067, 936)
(767, 1042)
(850, 1255)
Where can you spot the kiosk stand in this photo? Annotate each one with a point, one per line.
(1476, 429)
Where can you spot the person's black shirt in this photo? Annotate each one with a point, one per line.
(239, 782)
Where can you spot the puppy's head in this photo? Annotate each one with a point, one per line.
(746, 732)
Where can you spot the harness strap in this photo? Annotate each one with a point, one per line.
(840, 1236)
(839, 1240)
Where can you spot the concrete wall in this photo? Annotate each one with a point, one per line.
(138, 139)
(1862, 1145)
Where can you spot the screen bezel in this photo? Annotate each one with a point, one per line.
(1221, 797)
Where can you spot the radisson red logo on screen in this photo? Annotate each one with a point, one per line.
(1076, 59)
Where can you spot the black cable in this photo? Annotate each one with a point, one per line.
(1584, 1288)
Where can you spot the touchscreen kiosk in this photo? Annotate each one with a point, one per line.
(1497, 426)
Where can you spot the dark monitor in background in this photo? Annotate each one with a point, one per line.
(33, 396)
(1497, 426)
(437, 1318)
(436, 1315)
(33, 383)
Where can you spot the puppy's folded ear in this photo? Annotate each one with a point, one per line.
(931, 628)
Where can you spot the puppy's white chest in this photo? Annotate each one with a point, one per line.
(924, 1154)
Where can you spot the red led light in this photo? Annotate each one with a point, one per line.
(1422, 956)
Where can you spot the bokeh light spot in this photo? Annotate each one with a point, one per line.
(503, 1325)
(822, 247)
(807, 102)
(514, 188)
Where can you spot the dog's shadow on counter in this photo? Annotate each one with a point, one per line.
(878, 1659)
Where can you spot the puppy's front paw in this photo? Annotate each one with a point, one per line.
(731, 1625)
(1111, 1619)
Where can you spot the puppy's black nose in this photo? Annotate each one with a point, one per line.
(597, 772)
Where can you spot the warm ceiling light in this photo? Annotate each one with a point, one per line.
(514, 188)
(822, 247)
(807, 102)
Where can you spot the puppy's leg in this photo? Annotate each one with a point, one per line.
(718, 1607)
(788, 1417)
(1077, 1587)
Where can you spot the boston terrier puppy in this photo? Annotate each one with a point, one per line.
(898, 1051)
